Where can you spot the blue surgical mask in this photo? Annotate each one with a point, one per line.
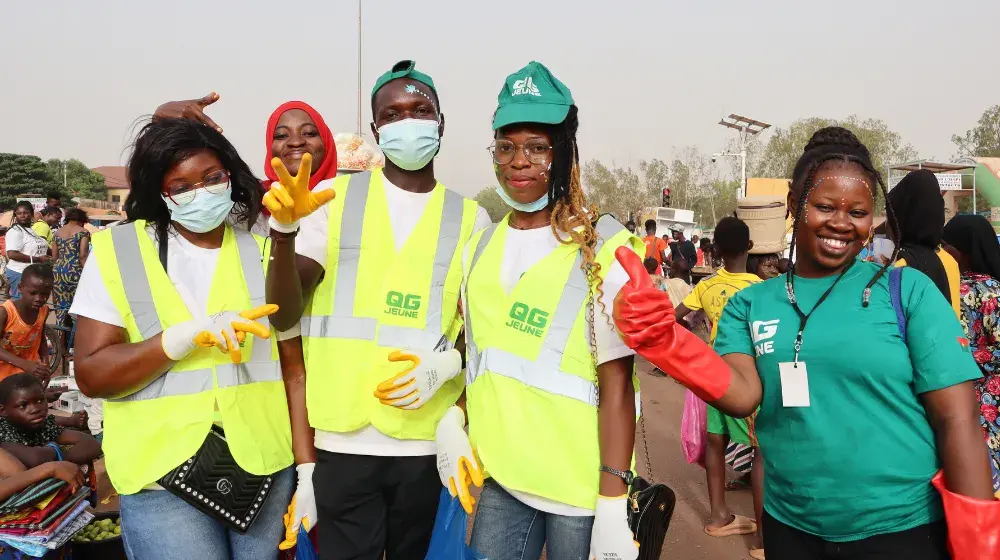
(204, 213)
(529, 207)
(410, 143)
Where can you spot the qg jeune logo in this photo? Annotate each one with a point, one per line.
(402, 305)
(528, 319)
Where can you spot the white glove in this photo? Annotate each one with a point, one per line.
(457, 465)
(302, 508)
(426, 373)
(225, 330)
(305, 498)
(611, 539)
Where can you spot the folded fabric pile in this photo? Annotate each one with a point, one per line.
(43, 517)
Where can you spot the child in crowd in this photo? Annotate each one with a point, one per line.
(30, 433)
(22, 340)
(655, 273)
(732, 243)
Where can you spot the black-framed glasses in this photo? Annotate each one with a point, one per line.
(537, 151)
(183, 193)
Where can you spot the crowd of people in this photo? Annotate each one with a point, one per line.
(342, 341)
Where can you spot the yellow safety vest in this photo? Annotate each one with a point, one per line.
(531, 379)
(153, 430)
(374, 300)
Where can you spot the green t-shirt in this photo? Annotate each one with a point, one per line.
(858, 461)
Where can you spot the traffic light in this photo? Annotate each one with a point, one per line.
(666, 198)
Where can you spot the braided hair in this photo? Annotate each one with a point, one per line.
(828, 144)
(572, 214)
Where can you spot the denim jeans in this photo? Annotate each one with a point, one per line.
(14, 279)
(157, 525)
(506, 529)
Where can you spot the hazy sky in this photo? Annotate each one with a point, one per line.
(648, 76)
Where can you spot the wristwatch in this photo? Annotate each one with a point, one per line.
(627, 476)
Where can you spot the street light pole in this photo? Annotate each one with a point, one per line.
(745, 127)
(359, 67)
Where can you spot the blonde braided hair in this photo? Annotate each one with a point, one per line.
(574, 216)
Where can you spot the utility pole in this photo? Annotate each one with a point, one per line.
(359, 67)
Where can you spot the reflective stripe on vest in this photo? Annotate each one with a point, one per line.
(342, 323)
(259, 368)
(543, 373)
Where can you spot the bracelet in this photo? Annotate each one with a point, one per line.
(55, 446)
(627, 476)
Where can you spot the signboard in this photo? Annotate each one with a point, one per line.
(37, 203)
(949, 181)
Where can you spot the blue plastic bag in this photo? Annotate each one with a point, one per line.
(304, 547)
(448, 538)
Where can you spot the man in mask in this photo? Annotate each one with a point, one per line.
(380, 265)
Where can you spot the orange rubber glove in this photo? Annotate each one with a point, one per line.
(647, 324)
(289, 200)
(973, 525)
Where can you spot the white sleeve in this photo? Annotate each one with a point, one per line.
(483, 220)
(92, 299)
(609, 344)
(14, 239)
(314, 230)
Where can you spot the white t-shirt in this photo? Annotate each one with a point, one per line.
(405, 210)
(189, 267)
(26, 241)
(522, 250)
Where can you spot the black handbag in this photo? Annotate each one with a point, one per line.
(650, 506)
(215, 485)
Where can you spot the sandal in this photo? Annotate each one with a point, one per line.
(740, 525)
(757, 553)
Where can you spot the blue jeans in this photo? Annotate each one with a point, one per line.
(14, 279)
(506, 529)
(156, 525)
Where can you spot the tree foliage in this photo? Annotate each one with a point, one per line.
(20, 175)
(80, 181)
(777, 157)
(492, 203)
(984, 139)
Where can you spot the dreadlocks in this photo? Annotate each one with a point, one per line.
(572, 215)
(835, 143)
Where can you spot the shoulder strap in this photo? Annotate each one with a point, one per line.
(896, 295)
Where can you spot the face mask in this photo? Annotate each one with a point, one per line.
(204, 213)
(410, 143)
(529, 207)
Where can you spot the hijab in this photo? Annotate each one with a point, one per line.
(919, 210)
(974, 237)
(326, 170)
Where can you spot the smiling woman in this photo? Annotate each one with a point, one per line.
(295, 129)
(900, 399)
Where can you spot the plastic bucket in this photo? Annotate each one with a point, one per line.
(110, 549)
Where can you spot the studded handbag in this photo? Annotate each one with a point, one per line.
(216, 485)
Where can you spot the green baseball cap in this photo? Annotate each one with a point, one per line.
(532, 95)
(403, 69)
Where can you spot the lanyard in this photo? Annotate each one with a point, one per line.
(804, 317)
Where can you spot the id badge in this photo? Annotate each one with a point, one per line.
(794, 384)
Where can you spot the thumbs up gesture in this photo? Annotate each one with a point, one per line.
(643, 314)
(290, 199)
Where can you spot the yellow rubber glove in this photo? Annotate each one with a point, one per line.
(292, 528)
(289, 200)
(456, 463)
(425, 373)
(225, 330)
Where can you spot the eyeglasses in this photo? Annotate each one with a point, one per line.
(183, 193)
(537, 151)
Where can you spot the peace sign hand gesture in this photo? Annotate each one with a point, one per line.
(290, 199)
